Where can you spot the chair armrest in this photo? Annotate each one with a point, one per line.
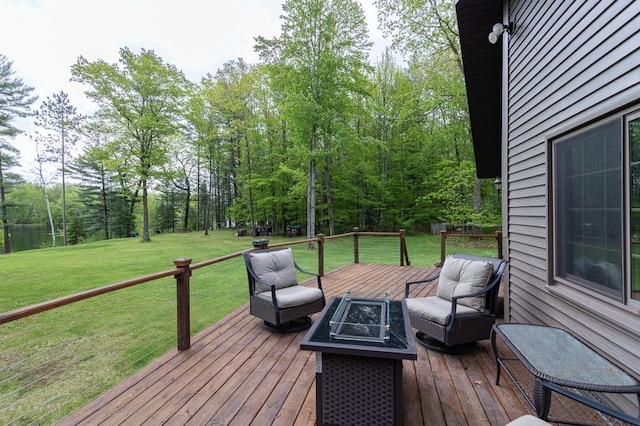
(488, 288)
(318, 279)
(454, 301)
(593, 404)
(426, 280)
(256, 279)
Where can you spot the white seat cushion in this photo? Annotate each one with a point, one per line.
(293, 296)
(527, 420)
(274, 267)
(462, 276)
(437, 309)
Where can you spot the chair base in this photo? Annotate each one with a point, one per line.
(437, 346)
(293, 326)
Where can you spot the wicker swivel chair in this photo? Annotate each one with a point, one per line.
(274, 293)
(464, 308)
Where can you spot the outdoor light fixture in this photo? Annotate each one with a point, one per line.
(497, 31)
(498, 185)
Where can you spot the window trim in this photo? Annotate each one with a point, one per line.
(626, 160)
(561, 285)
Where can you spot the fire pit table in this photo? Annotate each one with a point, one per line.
(360, 344)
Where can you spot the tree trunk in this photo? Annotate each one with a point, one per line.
(327, 180)
(207, 205)
(105, 204)
(64, 192)
(185, 222)
(145, 212)
(477, 196)
(46, 197)
(311, 202)
(51, 224)
(311, 190)
(251, 210)
(3, 214)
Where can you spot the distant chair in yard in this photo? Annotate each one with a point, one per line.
(274, 293)
(464, 308)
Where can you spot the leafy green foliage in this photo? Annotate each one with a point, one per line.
(452, 198)
(142, 97)
(15, 102)
(317, 67)
(313, 134)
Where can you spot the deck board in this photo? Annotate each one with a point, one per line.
(237, 372)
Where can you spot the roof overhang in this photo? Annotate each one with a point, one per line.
(483, 74)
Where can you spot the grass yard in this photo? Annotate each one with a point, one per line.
(35, 276)
(55, 362)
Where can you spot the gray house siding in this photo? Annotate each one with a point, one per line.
(569, 63)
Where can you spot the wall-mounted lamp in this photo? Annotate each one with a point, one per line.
(498, 185)
(497, 31)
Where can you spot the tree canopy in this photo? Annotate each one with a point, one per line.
(314, 136)
(141, 97)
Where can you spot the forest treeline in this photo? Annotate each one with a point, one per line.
(312, 135)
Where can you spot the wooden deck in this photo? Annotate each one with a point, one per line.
(238, 373)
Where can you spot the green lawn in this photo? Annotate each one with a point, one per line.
(56, 361)
(38, 275)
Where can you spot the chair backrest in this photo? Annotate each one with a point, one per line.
(483, 272)
(270, 267)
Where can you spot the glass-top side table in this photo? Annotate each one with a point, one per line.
(554, 355)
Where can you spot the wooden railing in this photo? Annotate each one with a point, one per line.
(51, 346)
(444, 235)
(182, 273)
(404, 255)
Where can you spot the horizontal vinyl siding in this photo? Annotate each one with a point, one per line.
(563, 68)
(570, 62)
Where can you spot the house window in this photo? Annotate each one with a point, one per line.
(589, 214)
(633, 134)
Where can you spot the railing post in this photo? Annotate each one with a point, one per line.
(184, 314)
(499, 238)
(443, 246)
(356, 248)
(403, 248)
(321, 254)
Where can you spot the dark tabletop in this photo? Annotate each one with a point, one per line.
(400, 344)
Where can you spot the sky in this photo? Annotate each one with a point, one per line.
(44, 38)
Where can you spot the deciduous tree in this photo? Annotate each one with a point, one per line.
(420, 27)
(318, 65)
(143, 98)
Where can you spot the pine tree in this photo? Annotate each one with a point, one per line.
(15, 100)
(60, 121)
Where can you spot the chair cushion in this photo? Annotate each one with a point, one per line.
(463, 276)
(527, 420)
(437, 309)
(293, 296)
(275, 267)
